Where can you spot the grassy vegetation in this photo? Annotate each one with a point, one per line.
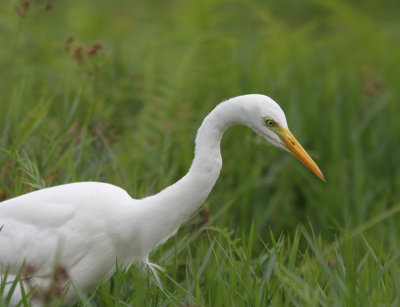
(121, 100)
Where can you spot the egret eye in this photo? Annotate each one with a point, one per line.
(269, 122)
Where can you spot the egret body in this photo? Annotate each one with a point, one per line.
(88, 227)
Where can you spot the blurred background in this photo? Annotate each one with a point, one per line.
(114, 91)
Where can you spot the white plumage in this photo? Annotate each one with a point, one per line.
(88, 227)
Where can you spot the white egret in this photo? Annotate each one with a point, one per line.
(88, 227)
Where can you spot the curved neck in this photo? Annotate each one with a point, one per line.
(168, 209)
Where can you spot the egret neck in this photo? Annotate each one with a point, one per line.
(168, 209)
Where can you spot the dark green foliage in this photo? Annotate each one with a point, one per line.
(120, 102)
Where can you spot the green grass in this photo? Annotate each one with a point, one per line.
(275, 235)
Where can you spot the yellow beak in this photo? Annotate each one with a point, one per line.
(290, 142)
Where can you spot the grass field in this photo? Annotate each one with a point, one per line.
(114, 91)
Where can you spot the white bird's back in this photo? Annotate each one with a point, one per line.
(69, 225)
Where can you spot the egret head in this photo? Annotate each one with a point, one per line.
(269, 121)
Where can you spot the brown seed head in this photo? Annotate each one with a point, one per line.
(26, 3)
(68, 42)
(92, 49)
(78, 54)
(48, 6)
